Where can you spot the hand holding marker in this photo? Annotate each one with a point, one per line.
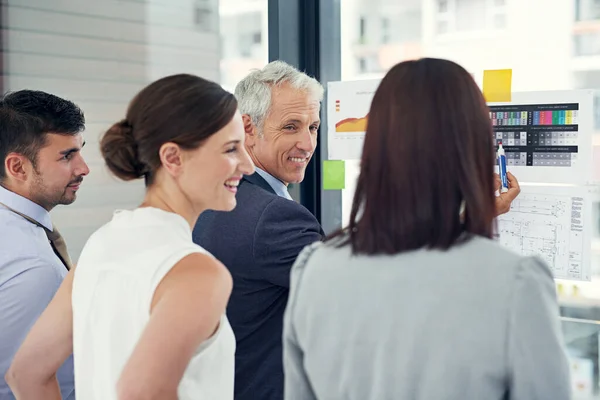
(502, 169)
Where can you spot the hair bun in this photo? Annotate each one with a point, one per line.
(120, 151)
(125, 127)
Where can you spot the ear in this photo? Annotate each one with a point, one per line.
(171, 158)
(17, 166)
(250, 129)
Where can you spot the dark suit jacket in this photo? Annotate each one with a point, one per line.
(258, 241)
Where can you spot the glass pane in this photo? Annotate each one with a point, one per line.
(244, 39)
(442, 27)
(499, 21)
(587, 10)
(470, 15)
(100, 53)
(442, 6)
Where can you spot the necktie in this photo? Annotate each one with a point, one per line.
(54, 237)
(59, 246)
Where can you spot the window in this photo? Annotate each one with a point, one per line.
(587, 44)
(499, 21)
(363, 29)
(469, 15)
(441, 27)
(243, 27)
(587, 10)
(205, 15)
(442, 6)
(590, 79)
(362, 62)
(385, 30)
(442, 20)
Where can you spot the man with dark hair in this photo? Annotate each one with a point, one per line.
(42, 167)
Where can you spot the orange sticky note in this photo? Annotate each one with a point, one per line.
(497, 85)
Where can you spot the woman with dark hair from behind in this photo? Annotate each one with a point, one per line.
(144, 311)
(414, 300)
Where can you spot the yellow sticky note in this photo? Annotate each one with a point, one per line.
(334, 174)
(497, 85)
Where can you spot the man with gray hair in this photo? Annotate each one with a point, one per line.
(260, 239)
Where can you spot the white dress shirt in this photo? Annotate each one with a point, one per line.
(279, 187)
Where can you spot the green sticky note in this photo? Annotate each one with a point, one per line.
(334, 174)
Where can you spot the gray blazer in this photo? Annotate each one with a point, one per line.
(475, 322)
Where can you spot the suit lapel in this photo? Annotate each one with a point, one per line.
(258, 180)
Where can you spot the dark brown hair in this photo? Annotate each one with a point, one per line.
(28, 116)
(428, 147)
(183, 109)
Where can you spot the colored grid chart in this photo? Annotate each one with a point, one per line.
(521, 118)
(537, 134)
(510, 118)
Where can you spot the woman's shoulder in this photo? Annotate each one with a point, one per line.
(306, 254)
(485, 247)
(482, 251)
(501, 258)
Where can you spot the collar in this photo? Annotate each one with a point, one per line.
(26, 207)
(258, 180)
(278, 186)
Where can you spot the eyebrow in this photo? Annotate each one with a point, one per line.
(297, 121)
(72, 150)
(236, 141)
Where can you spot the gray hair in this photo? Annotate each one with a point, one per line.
(253, 93)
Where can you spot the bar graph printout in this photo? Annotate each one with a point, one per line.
(348, 106)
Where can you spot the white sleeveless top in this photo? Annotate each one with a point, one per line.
(118, 271)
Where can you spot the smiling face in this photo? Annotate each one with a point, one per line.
(57, 172)
(289, 135)
(212, 172)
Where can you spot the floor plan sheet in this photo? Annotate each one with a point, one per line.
(552, 222)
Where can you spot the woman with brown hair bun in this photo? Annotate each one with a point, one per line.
(144, 311)
(414, 300)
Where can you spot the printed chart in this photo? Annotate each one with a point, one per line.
(547, 136)
(554, 224)
(347, 115)
(547, 142)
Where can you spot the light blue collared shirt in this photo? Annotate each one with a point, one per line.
(278, 186)
(30, 274)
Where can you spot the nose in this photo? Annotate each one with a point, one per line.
(307, 141)
(82, 169)
(246, 165)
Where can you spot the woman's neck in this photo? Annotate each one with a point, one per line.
(172, 201)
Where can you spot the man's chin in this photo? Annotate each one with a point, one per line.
(65, 201)
(295, 179)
